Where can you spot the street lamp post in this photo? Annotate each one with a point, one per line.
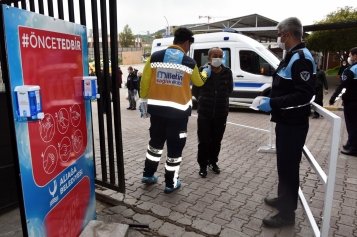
(168, 27)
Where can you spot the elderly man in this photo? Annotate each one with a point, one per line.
(289, 104)
(213, 104)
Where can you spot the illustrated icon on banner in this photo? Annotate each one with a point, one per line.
(75, 115)
(62, 120)
(49, 159)
(64, 149)
(47, 128)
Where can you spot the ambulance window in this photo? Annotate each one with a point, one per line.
(200, 56)
(250, 61)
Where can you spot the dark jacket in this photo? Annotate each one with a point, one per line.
(321, 79)
(293, 86)
(342, 68)
(120, 74)
(348, 81)
(213, 96)
(132, 82)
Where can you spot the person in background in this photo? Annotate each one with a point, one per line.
(120, 77)
(293, 87)
(213, 107)
(342, 68)
(321, 83)
(132, 84)
(349, 81)
(139, 80)
(166, 98)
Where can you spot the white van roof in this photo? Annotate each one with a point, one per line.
(206, 38)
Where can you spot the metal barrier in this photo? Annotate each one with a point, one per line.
(329, 179)
(270, 148)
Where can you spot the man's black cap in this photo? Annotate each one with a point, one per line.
(182, 34)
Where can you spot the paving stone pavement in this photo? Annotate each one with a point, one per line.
(231, 203)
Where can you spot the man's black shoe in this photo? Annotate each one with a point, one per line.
(214, 168)
(276, 221)
(133, 108)
(346, 147)
(349, 153)
(273, 202)
(203, 172)
(316, 116)
(128, 108)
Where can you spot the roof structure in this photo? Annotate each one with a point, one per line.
(262, 28)
(255, 26)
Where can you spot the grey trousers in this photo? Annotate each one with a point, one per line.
(131, 98)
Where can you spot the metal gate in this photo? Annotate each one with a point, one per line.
(109, 125)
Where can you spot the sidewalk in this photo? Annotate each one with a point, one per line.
(231, 203)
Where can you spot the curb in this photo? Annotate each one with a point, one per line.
(333, 108)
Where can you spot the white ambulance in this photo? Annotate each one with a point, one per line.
(244, 55)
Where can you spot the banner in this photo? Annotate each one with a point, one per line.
(55, 152)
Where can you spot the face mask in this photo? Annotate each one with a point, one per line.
(281, 44)
(128, 71)
(349, 60)
(216, 62)
(344, 64)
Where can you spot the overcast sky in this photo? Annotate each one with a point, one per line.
(149, 15)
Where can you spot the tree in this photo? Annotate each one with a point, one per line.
(126, 38)
(158, 35)
(339, 40)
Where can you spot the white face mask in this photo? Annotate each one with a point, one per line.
(349, 60)
(216, 62)
(344, 64)
(281, 44)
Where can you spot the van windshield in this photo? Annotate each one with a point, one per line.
(270, 57)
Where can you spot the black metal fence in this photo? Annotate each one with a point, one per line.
(109, 125)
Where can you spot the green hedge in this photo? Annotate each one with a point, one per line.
(333, 71)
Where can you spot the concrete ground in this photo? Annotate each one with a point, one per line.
(231, 203)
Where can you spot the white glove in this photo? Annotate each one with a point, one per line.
(143, 108)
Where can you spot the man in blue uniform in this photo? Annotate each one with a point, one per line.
(349, 81)
(289, 104)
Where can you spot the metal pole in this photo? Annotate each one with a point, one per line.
(50, 8)
(71, 10)
(60, 9)
(116, 94)
(168, 26)
(40, 7)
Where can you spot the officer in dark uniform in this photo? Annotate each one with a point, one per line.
(349, 81)
(292, 90)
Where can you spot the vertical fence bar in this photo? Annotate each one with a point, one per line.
(32, 5)
(71, 10)
(100, 85)
(116, 95)
(50, 8)
(335, 141)
(16, 4)
(103, 15)
(8, 90)
(41, 9)
(60, 9)
(23, 4)
(82, 12)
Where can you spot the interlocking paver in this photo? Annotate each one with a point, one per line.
(233, 200)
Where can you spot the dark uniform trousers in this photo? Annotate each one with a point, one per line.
(290, 140)
(319, 95)
(174, 132)
(210, 133)
(350, 108)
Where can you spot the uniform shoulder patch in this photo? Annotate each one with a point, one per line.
(305, 75)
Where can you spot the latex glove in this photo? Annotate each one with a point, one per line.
(143, 108)
(135, 90)
(207, 70)
(265, 105)
(326, 92)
